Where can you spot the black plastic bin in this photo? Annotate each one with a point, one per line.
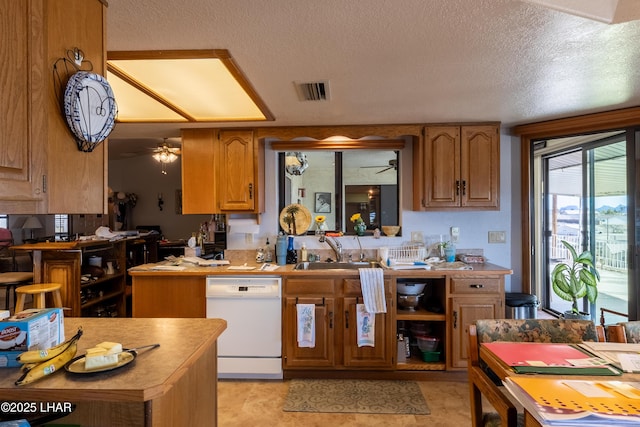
(520, 305)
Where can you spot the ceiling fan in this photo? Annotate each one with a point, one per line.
(165, 153)
(393, 164)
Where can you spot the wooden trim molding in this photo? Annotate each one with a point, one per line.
(587, 123)
(391, 144)
(529, 133)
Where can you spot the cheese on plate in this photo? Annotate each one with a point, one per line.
(103, 355)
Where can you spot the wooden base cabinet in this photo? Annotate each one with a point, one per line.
(471, 299)
(92, 296)
(322, 355)
(336, 344)
(383, 354)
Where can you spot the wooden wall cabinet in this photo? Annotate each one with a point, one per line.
(336, 345)
(458, 167)
(222, 171)
(41, 168)
(470, 298)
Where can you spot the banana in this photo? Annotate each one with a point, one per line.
(38, 356)
(50, 366)
(25, 367)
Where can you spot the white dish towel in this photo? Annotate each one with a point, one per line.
(372, 283)
(366, 327)
(306, 325)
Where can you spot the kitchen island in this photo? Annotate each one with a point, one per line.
(174, 384)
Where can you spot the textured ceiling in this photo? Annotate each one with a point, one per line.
(390, 61)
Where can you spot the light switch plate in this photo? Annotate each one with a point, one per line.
(455, 234)
(416, 236)
(497, 237)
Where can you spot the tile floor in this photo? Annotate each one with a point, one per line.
(259, 403)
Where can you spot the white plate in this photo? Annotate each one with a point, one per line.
(90, 107)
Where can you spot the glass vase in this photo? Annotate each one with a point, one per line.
(360, 229)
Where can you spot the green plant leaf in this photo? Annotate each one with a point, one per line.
(574, 280)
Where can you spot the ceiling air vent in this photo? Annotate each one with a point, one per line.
(313, 91)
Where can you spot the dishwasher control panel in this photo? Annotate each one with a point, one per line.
(243, 287)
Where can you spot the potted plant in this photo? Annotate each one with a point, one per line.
(576, 279)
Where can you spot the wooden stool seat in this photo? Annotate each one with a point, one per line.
(11, 280)
(39, 292)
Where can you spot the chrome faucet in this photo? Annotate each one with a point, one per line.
(360, 244)
(334, 244)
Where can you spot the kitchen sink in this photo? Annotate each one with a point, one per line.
(334, 265)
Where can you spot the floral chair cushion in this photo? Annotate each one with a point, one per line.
(536, 330)
(632, 331)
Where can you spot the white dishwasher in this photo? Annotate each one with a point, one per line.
(251, 346)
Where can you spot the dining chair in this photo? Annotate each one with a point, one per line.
(624, 332)
(483, 384)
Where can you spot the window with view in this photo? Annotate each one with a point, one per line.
(61, 227)
(584, 200)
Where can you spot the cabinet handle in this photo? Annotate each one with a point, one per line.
(464, 188)
(457, 188)
(477, 286)
(331, 320)
(250, 191)
(455, 319)
(346, 319)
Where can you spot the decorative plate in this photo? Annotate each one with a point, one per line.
(76, 365)
(302, 219)
(90, 108)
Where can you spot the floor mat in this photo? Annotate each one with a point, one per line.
(360, 396)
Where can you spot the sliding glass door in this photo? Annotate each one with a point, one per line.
(583, 200)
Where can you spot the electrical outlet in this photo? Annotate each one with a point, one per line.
(497, 237)
(455, 234)
(416, 236)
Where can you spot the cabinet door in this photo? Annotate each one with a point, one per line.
(464, 311)
(236, 171)
(21, 156)
(480, 167)
(379, 356)
(61, 267)
(323, 354)
(76, 181)
(441, 163)
(198, 171)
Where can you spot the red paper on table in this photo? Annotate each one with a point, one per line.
(524, 353)
(549, 358)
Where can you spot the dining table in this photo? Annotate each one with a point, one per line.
(504, 371)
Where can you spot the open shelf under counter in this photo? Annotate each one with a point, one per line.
(419, 314)
(414, 363)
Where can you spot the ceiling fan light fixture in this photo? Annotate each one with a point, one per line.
(295, 162)
(165, 154)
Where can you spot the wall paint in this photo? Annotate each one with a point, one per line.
(142, 175)
(474, 226)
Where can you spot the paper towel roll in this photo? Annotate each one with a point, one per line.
(243, 225)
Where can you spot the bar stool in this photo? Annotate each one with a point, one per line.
(39, 292)
(13, 279)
